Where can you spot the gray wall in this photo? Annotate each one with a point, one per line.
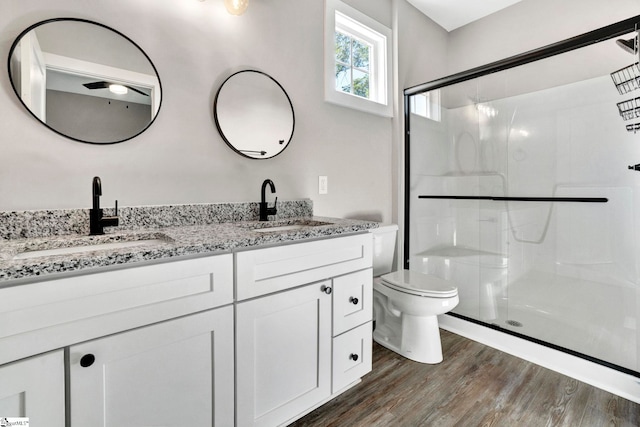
(528, 25)
(196, 45)
(181, 158)
(420, 57)
(95, 119)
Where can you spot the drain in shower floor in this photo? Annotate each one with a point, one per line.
(514, 323)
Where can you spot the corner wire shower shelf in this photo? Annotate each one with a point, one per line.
(629, 109)
(627, 79)
(635, 127)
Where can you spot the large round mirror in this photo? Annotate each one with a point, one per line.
(254, 114)
(84, 80)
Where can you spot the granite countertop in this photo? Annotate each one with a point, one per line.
(162, 243)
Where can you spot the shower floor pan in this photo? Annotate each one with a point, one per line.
(592, 318)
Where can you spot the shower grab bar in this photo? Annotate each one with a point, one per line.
(523, 199)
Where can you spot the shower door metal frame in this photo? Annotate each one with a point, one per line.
(583, 40)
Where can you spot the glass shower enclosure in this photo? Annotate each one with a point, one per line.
(522, 186)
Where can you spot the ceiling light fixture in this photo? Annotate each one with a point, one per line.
(118, 89)
(236, 7)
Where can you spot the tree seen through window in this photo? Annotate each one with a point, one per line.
(352, 65)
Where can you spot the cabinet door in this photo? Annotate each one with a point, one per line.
(283, 354)
(34, 388)
(176, 373)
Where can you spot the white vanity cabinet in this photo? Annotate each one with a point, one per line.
(171, 344)
(300, 338)
(159, 375)
(34, 388)
(156, 342)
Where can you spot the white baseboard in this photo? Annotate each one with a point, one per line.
(616, 382)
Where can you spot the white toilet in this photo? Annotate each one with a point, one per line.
(406, 303)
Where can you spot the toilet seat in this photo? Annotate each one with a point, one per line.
(419, 284)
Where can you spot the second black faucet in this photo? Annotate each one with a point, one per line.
(265, 211)
(97, 221)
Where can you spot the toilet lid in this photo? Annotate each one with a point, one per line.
(419, 284)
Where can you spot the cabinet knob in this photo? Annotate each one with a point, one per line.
(87, 360)
(353, 357)
(353, 300)
(326, 289)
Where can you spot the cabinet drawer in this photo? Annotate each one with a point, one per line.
(352, 300)
(42, 316)
(352, 353)
(263, 271)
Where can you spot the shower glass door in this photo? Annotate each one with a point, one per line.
(521, 192)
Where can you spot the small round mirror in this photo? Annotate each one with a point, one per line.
(84, 80)
(254, 114)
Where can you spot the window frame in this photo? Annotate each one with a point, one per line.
(347, 20)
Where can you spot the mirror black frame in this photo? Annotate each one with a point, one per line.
(46, 21)
(224, 137)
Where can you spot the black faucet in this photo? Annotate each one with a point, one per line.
(264, 210)
(97, 221)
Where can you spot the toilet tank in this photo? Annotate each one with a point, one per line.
(384, 248)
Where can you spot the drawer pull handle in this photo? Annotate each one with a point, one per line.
(353, 300)
(87, 360)
(353, 357)
(326, 289)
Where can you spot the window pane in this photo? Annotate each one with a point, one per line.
(361, 83)
(343, 78)
(427, 104)
(360, 55)
(343, 48)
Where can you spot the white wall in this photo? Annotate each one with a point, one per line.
(181, 158)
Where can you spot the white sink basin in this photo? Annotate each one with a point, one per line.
(280, 228)
(86, 248)
(283, 225)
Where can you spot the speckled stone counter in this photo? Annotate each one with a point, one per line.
(160, 233)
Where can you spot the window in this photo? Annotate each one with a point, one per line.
(427, 105)
(357, 60)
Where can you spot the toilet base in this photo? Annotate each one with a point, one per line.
(414, 337)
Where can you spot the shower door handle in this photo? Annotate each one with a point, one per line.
(522, 199)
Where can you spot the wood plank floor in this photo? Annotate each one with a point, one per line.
(475, 385)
